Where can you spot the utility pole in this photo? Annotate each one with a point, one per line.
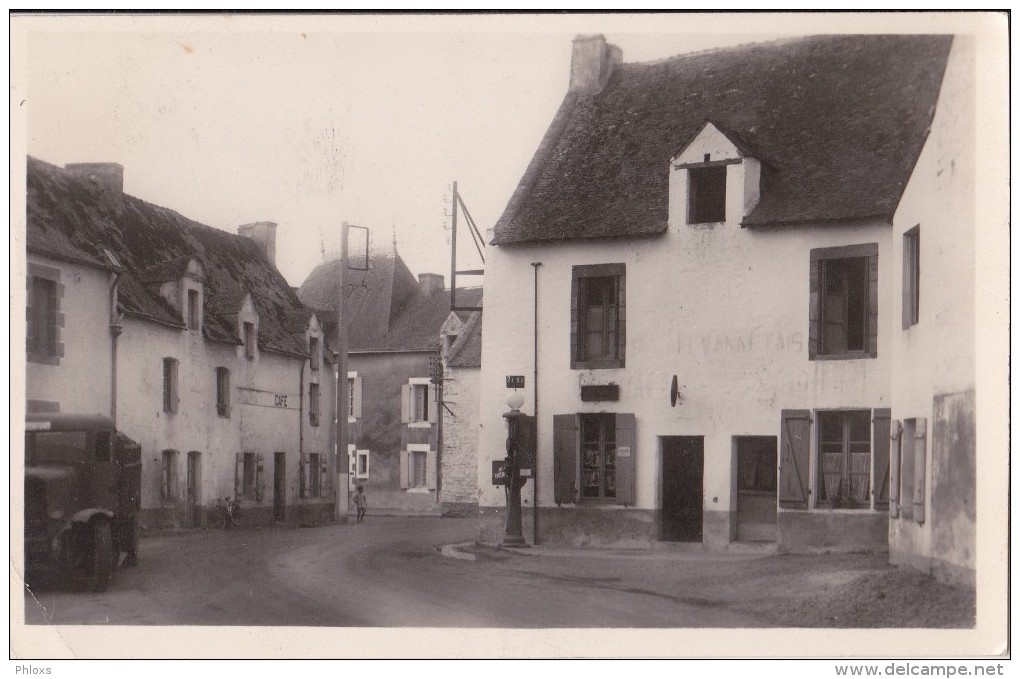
(342, 406)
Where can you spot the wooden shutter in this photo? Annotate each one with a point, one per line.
(880, 456)
(564, 457)
(794, 458)
(575, 316)
(259, 477)
(626, 442)
(430, 469)
(895, 440)
(403, 468)
(351, 466)
(239, 475)
(302, 475)
(357, 396)
(621, 319)
(920, 434)
(324, 484)
(405, 403)
(814, 304)
(873, 305)
(432, 391)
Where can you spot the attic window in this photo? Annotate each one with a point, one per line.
(249, 341)
(192, 310)
(706, 195)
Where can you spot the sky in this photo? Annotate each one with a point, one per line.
(311, 121)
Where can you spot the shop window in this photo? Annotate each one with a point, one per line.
(844, 302)
(593, 458)
(911, 277)
(706, 200)
(597, 317)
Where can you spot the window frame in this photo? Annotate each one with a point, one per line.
(223, 392)
(314, 475)
(699, 180)
(170, 475)
(580, 275)
(192, 319)
(250, 335)
(912, 277)
(314, 404)
(605, 421)
(48, 350)
(249, 476)
(844, 500)
(171, 395)
(816, 314)
(314, 353)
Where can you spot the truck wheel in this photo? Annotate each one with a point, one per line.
(102, 557)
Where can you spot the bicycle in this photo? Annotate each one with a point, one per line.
(227, 513)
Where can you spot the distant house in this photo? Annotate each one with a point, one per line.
(730, 343)
(397, 412)
(190, 338)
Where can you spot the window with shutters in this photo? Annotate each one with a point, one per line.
(314, 353)
(844, 459)
(911, 277)
(597, 316)
(44, 321)
(418, 468)
(844, 302)
(170, 385)
(706, 201)
(593, 458)
(313, 404)
(222, 392)
(419, 407)
(170, 483)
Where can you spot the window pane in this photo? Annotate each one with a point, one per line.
(857, 304)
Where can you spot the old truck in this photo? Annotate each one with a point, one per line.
(82, 495)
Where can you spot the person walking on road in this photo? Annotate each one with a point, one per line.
(360, 502)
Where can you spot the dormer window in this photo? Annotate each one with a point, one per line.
(193, 310)
(313, 352)
(249, 341)
(707, 196)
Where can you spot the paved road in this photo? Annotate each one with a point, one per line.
(384, 572)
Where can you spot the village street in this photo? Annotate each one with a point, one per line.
(391, 572)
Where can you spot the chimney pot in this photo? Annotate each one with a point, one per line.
(263, 233)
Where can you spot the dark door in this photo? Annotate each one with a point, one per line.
(191, 489)
(683, 462)
(280, 486)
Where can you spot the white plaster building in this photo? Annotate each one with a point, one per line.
(729, 222)
(190, 338)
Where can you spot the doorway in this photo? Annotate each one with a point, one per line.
(192, 495)
(683, 493)
(756, 488)
(280, 486)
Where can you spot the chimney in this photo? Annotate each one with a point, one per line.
(108, 176)
(430, 282)
(592, 63)
(263, 233)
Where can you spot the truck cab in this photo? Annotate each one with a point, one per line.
(82, 495)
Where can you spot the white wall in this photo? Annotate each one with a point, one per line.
(723, 308)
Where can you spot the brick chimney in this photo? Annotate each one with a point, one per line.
(108, 176)
(592, 63)
(264, 233)
(429, 283)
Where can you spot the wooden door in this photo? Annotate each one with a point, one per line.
(683, 463)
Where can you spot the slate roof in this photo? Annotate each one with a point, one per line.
(837, 121)
(70, 217)
(386, 309)
(466, 352)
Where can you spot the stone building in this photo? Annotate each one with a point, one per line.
(190, 338)
(720, 350)
(395, 373)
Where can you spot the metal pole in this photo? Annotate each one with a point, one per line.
(343, 464)
(453, 248)
(534, 472)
